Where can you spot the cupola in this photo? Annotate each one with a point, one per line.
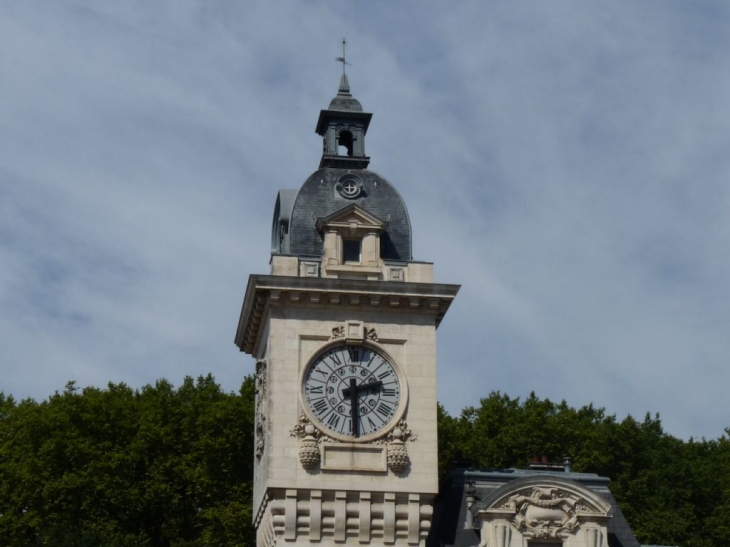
(342, 127)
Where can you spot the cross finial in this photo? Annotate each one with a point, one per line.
(343, 59)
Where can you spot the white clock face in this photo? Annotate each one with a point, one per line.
(352, 391)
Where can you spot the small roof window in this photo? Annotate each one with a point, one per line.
(351, 249)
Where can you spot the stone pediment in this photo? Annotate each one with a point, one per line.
(351, 218)
(544, 507)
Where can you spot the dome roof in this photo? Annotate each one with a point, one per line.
(328, 190)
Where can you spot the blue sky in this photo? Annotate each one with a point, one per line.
(566, 162)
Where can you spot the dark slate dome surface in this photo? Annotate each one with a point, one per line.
(319, 197)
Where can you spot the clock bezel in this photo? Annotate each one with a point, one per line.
(372, 346)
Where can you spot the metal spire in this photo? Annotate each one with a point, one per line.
(343, 59)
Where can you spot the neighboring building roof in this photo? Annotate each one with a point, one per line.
(452, 521)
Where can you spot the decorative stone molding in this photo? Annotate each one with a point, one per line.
(371, 458)
(354, 331)
(549, 508)
(260, 415)
(264, 292)
(545, 512)
(309, 516)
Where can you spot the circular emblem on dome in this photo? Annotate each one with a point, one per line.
(349, 186)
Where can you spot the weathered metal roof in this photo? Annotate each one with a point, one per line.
(319, 197)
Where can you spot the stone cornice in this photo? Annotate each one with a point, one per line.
(264, 291)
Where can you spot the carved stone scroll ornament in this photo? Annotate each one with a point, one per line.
(260, 417)
(398, 460)
(546, 512)
(339, 332)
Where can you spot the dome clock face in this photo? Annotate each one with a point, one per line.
(352, 392)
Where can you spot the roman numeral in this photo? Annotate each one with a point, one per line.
(372, 423)
(319, 406)
(384, 410)
(384, 374)
(333, 420)
(354, 354)
(388, 392)
(316, 390)
(372, 358)
(336, 358)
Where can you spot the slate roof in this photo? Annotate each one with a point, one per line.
(450, 512)
(319, 197)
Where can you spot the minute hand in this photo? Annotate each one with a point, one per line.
(352, 392)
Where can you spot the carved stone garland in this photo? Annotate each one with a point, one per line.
(260, 419)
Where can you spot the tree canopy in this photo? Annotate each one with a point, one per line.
(672, 492)
(172, 467)
(121, 467)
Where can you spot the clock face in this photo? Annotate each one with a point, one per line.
(352, 391)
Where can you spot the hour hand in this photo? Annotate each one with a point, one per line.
(361, 387)
(374, 386)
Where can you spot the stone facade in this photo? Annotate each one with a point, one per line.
(298, 318)
(342, 277)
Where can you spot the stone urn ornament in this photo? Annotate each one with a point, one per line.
(397, 457)
(309, 439)
(309, 455)
(398, 460)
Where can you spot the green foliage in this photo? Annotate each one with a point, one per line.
(120, 467)
(166, 467)
(672, 492)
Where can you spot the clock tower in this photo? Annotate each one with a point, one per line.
(343, 330)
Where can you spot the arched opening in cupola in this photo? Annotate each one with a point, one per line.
(345, 142)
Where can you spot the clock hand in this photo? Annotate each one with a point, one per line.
(379, 383)
(347, 392)
(352, 393)
(354, 406)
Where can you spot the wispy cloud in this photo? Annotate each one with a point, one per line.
(564, 162)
